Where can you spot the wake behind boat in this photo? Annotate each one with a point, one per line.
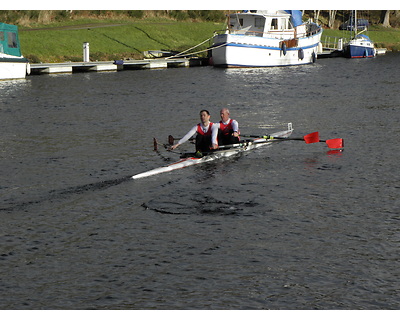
(264, 38)
(223, 152)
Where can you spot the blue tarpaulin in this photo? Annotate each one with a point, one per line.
(297, 17)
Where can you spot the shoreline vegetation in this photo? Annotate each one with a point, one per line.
(58, 35)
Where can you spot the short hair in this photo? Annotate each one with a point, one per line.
(225, 109)
(206, 111)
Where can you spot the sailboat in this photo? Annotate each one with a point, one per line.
(360, 46)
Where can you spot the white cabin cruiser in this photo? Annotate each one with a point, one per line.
(258, 38)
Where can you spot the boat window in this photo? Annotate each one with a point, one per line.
(12, 40)
(241, 22)
(1, 36)
(259, 22)
(274, 24)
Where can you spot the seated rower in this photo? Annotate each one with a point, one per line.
(206, 138)
(228, 131)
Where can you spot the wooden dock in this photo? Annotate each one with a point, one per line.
(330, 53)
(117, 65)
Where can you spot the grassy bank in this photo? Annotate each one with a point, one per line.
(122, 39)
(112, 39)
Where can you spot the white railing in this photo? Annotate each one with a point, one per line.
(333, 43)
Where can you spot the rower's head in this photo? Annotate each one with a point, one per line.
(205, 116)
(224, 113)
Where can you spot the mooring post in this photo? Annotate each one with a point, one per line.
(86, 52)
(340, 44)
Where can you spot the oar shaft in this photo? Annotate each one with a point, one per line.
(308, 138)
(281, 138)
(271, 137)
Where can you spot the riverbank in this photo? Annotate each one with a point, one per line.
(113, 39)
(127, 39)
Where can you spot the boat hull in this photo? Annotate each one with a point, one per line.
(358, 51)
(239, 148)
(230, 50)
(13, 68)
(359, 47)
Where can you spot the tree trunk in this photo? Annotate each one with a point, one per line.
(316, 15)
(386, 18)
(332, 16)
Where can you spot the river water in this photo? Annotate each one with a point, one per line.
(290, 226)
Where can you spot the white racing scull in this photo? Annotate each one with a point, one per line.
(223, 152)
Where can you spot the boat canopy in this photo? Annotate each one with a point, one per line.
(9, 41)
(363, 36)
(296, 17)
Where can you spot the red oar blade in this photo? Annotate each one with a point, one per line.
(335, 143)
(312, 137)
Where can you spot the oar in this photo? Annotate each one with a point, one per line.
(171, 139)
(156, 143)
(337, 143)
(166, 146)
(309, 138)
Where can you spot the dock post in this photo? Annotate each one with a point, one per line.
(86, 52)
(340, 44)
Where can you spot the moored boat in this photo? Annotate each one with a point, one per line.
(13, 65)
(258, 38)
(360, 46)
(190, 160)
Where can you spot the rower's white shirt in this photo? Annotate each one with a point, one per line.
(214, 133)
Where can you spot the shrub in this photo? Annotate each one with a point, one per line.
(135, 13)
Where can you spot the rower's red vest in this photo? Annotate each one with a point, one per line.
(226, 128)
(200, 130)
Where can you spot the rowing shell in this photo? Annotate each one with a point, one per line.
(232, 150)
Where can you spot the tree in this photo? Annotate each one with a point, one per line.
(385, 16)
(316, 15)
(332, 17)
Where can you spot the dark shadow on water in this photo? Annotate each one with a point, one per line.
(58, 194)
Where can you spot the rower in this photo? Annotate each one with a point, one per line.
(206, 138)
(228, 131)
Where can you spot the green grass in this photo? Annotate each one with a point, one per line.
(127, 40)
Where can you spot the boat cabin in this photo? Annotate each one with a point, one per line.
(9, 41)
(261, 23)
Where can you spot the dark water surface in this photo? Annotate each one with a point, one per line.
(292, 226)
